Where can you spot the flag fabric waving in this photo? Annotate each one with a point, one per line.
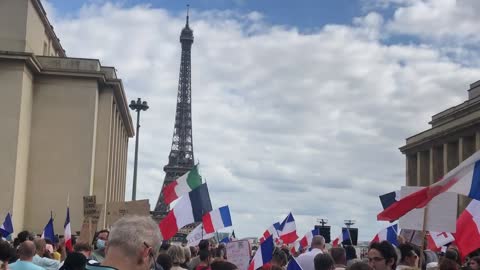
(48, 232)
(184, 184)
(389, 234)
(390, 198)
(306, 241)
(217, 219)
(7, 227)
(263, 255)
(225, 240)
(271, 231)
(288, 230)
(187, 210)
(467, 236)
(68, 232)
(294, 265)
(436, 240)
(344, 236)
(464, 179)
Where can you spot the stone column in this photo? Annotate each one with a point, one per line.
(445, 158)
(436, 163)
(423, 175)
(477, 141)
(419, 165)
(412, 169)
(431, 165)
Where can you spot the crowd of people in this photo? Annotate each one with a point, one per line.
(135, 243)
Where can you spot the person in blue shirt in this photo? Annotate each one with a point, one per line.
(26, 251)
(40, 259)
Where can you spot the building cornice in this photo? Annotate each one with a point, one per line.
(84, 68)
(437, 135)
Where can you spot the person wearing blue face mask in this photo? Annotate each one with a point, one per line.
(101, 242)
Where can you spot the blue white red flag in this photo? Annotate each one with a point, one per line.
(344, 236)
(217, 219)
(271, 231)
(48, 232)
(288, 230)
(6, 228)
(294, 265)
(467, 237)
(68, 232)
(263, 255)
(306, 241)
(389, 234)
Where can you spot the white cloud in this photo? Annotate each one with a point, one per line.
(453, 21)
(283, 121)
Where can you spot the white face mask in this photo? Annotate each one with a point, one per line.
(100, 243)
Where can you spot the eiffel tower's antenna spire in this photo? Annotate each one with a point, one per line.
(188, 12)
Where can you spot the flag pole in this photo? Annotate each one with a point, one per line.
(423, 234)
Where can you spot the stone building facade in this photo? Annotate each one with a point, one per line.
(65, 124)
(454, 136)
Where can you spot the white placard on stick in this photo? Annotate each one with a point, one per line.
(197, 234)
(441, 214)
(238, 253)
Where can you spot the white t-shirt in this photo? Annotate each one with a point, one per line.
(306, 259)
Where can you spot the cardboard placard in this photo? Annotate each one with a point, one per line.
(412, 236)
(441, 214)
(89, 206)
(238, 253)
(116, 210)
(87, 232)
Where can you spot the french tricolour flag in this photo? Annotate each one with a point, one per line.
(306, 241)
(68, 232)
(6, 228)
(271, 231)
(342, 237)
(389, 234)
(48, 232)
(263, 255)
(217, 219)
(188, 209)
(467, 236)
(464, 179)
(288, 230)
(294, 265)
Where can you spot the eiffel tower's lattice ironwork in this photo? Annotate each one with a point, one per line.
(181, 158)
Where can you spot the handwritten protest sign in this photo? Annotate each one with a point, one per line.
(238, 253)
(89, 206)
(116, 210)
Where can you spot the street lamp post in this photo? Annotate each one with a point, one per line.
(137, 106)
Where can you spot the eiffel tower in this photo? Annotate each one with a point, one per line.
(180, 159)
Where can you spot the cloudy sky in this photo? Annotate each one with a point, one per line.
(297, 105)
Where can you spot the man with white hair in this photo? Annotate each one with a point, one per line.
(133, 244)
(306, 259)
